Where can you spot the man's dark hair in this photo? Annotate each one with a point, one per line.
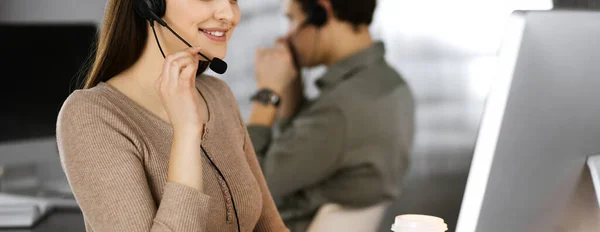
(356, 12)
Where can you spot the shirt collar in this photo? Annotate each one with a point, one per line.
(347, 66)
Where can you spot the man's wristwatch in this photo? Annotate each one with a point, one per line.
(266, 97)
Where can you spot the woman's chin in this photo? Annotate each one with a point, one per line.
(220, 53)
(220, 56)
(215, 52)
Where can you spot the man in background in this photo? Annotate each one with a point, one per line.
(351, 145)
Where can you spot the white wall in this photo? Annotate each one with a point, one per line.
(46, 11)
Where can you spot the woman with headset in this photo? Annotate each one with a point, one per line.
(151, 144)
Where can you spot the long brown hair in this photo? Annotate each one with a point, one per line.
(121, 41)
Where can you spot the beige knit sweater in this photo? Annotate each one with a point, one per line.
(115, 154)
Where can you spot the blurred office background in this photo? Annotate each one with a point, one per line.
(446, 50)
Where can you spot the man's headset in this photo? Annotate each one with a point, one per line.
(154, 10)
(316, 15)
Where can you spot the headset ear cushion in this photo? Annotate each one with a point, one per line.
(318, 16)
(159, 7)
(144, 7)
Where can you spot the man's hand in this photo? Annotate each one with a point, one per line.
(275, 68)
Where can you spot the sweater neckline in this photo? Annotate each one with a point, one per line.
(153, 116)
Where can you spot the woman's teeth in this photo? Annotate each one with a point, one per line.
(214, 33)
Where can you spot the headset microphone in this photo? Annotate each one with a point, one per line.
(217, 65)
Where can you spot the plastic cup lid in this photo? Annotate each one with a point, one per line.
(419, 222)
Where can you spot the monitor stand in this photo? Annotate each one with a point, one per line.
(582, 212)
(593, 163)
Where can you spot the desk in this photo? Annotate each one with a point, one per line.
(57, 221)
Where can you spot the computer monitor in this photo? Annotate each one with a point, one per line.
(541, 123)
(40, 67)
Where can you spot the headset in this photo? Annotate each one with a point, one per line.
(154, 10)
(316, 15)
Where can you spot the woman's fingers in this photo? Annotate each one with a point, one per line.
(173, 66)
(177, 76)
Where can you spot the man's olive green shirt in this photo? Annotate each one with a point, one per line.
(349, 146)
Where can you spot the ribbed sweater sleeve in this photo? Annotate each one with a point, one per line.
(105, 170)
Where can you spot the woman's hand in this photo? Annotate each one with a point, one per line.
(176, 85)
(187, 112)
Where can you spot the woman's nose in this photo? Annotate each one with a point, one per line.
(224, 11)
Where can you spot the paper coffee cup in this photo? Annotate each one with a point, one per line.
(419, 223)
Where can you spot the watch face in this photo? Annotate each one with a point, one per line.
(266, 97)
